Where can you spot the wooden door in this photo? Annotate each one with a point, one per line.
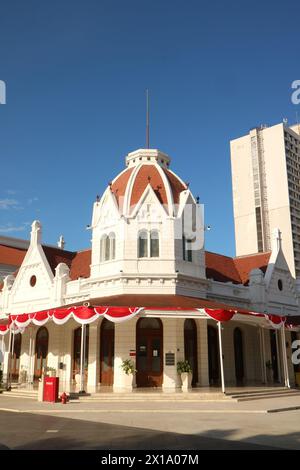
(274, 355)
(15, 363)
(41, 351)
(149, 354)
(107, 353)
(190, 347)
(213, 356)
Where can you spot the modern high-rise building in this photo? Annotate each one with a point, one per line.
(265, 166)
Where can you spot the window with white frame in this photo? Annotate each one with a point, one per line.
(148, 244)
(154, 244)
(108, 247)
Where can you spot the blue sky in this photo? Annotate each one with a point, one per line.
(76, 73)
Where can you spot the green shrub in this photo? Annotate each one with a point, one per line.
(184, 366)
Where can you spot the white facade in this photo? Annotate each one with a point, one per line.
(121, 265)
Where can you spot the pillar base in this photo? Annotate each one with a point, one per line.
(171, 389)
(122, 388)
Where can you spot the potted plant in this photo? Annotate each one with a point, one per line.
(23, 374)
(185, 370)
(269, 367)
(128, 367)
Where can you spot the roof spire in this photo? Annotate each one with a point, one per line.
(147, 120)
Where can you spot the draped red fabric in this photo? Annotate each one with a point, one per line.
(220, 315)
(276, 319)
(86, 315)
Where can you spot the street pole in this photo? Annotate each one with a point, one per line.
(221, 356)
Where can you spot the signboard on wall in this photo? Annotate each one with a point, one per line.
(170, 359)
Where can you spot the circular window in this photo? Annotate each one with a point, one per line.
(32, 281)
(280, 285)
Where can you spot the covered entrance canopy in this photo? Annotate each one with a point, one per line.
(121, 308)
(165, 305)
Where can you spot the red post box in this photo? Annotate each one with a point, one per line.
(51, 389)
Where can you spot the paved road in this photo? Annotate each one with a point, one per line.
(26, 424)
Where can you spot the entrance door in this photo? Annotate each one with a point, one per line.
(190, 347)
(274, 356)
(77, 351)
(15, 363)
(149, 354)
(41, 351)
(107, 352)
(213, 356)
(238, 356)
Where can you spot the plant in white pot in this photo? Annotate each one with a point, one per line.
(128, 367)
(185, 370)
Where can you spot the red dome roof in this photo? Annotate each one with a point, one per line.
(132, 183)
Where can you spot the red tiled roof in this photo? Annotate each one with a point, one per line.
(145, 175)
(56, 255)
(221, 268)
(120, 183)
(245, 264)
(80, 266)
(78, 262)
(225, 269)
(176, 185)
(11, 255)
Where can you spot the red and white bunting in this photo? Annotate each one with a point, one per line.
(86, 315)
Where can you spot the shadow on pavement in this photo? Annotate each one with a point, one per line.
(31, 431)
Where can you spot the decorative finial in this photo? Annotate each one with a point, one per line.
(197, 199)
(149, 179)
(61, 242)
(97, 198)
(187, 185)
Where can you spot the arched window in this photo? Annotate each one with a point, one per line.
(143, 244)
(103, 244)
(108, 247)
(112, 245)
(154, 244)
(187, 249)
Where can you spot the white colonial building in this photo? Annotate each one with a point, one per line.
(147, 252)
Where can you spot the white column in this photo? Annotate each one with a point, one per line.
(278, 357)
(32, 357)
(284, 358)
(82, 359)
(263, 355)
(203, 374)
(221, 356)
(173, 340)
(10, 358)
(94, 358)
(125, 340)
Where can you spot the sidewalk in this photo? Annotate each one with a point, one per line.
(253, 421)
